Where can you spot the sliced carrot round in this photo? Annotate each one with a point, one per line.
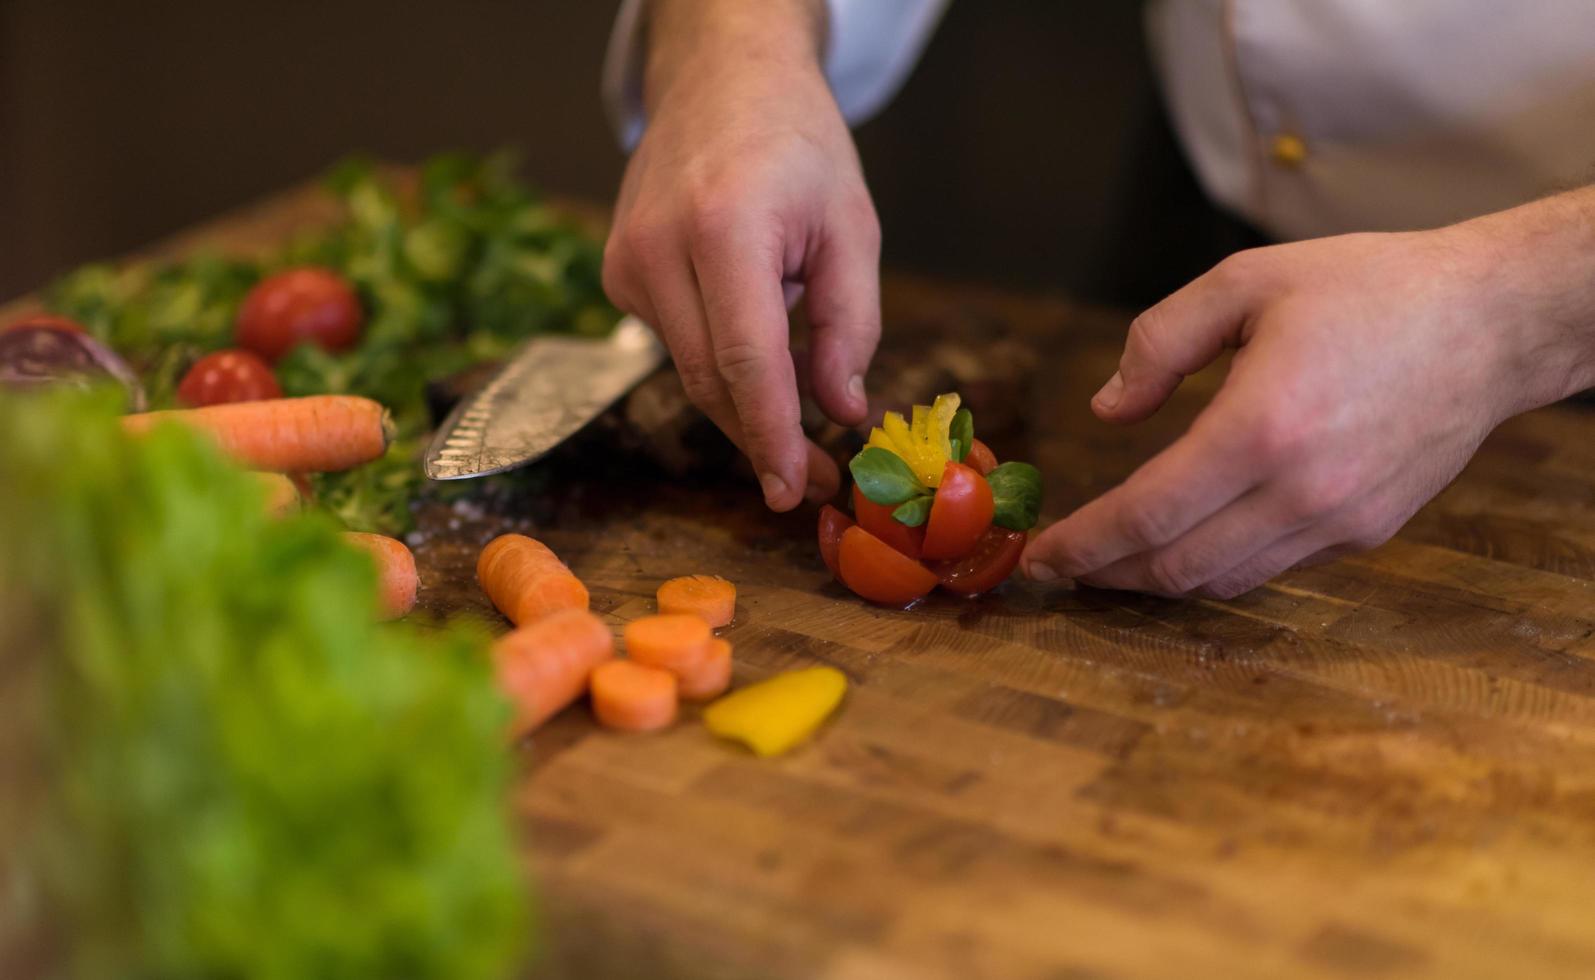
(676, 642)
(633, 697)
(710, 678)
(709, 597)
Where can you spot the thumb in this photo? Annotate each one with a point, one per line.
(1180, 335)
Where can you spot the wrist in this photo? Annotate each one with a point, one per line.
(699, 38)
(1534, 270)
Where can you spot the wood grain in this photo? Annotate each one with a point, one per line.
(1380, 767)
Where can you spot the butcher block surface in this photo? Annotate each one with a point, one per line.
(1380, 767)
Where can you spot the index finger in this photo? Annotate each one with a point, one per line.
(1170, 494)
(741, 284)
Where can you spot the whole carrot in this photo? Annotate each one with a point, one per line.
(395, 571)
(316, 434)
(525, 580)
(544, 667)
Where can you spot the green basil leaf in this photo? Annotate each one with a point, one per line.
(883, 477)
(962, 433)
(1016, 490)
(914, 513)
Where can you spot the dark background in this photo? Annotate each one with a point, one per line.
(1027, 146)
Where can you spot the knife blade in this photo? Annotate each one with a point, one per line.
(552, 386)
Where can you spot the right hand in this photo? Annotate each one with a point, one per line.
(745, 190)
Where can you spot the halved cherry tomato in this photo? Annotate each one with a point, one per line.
(49, 320)
(880, 573)
(832, 523)
(877, 519)
(308, 304)
(960, 513)
(994, 558)
(980, 457)
(227, 376)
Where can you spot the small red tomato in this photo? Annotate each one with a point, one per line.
(308, 304)
(227, 376)
(877, 519)
(878, 572)
(51, 321)
(960, 513)
(832, 525)
(994, 558)
(980, 457)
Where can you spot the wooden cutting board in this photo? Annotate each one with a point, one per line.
(1380, 767)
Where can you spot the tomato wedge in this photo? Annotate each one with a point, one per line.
(980, 457)
(832, 523)
(959, 515)
(995, 557)
(878, 572)
(877, 519)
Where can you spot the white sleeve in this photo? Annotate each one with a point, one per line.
(871, 47)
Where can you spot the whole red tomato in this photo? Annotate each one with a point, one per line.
(51, 321)
(305, 304)
(227, 376)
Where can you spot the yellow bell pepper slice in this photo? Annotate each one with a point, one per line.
(774, 715)
(925, 444)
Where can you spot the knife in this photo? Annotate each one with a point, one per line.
(551, 387)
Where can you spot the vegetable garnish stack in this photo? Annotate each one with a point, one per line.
(932, 508)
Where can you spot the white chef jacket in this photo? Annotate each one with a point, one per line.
(1306, 117)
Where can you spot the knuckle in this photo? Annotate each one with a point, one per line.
(1173, 574)
(1148, 524)
(698, 381)
(1145, 338)
(643, 241)
(1274, 437)
(741, 363)
(1240, 267)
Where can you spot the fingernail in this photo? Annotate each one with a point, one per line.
(774, 488)
(855, 387)
(1039, 572)
(1111, 392)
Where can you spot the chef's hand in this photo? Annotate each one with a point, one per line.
(1369, 368)
(745, 189)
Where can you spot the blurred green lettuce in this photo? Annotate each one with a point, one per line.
(235, 771)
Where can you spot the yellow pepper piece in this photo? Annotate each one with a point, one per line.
(773, 715)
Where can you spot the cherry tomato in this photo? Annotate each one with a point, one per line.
(995, 557)
(307, 304)
(227, 376)
(960, 513)
(980, 457)
(47, 320)
(880, 573)
(832, 524)
(877, 519)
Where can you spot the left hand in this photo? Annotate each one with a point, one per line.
(1370, 367)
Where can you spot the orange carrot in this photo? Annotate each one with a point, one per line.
(710, 678)
(633, 697)
(318, 433)
(545, 666)
(525, 580)
(395, 571)
(708, 596)
(676, 642)
(282, 496)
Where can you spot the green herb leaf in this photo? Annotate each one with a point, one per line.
(962, 433)
(1016, 489)
(883, 477)
(915, 512)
